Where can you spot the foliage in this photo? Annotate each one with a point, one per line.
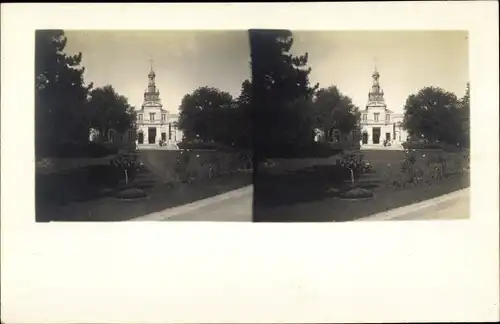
(240, 122)
(205, 113)
(356, 193)
(80, 150)
(435, 115)
(292, 150)
(282, 94)
(131, 193)
(199, 145)
(244, 160)
(127, 163)
(212, 116)
(332, 109)
(353, 161)
(181, 167)
(465, 117)
(60, 94)
(109, 110)
(420, 145)
(420, 167)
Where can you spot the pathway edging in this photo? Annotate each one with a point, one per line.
(174, 211)
(400, 211)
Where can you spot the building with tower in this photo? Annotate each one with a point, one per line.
(379, 124)
(155, 124)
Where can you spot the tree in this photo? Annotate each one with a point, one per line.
(241, 125)
(332, 109)
(433, 114)
(60, 94)
(281, 91)
(204, 114)
(465, 117)
(109, 110)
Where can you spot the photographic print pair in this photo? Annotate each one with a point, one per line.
(251, 126)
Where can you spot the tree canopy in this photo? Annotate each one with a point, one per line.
(465, 117)
(435, 114)
(66, 108)
(332, 109)
(281, 89)
(241, 123)
(109, 110)
(60, 93)
(204, 114)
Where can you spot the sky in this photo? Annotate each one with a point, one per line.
(182, 60)
(406, 60)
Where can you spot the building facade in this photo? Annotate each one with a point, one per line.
(155, 124)
(379, 124)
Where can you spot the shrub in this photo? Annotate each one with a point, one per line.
(199, 145)
(81, 150)
(292, 150)
(244, 160)
(181, 167)
(420, 145)
(425, 167)
(356, 193)
(126, 163)
(131, 193)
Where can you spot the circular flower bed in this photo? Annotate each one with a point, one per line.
(131, 194)
(268, 164)
(356, 193)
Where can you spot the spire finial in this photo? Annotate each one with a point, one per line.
(151, 73)
(150, 64)
(375, 62)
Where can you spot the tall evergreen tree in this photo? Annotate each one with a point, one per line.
(241, 123)
(60, 94)
(282, 92)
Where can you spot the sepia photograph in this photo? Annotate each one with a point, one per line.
(249, 162)
(360, 125)
(259, 125)
(142, 125)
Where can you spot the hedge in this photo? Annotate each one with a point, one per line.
(292, 150)
(80, 150)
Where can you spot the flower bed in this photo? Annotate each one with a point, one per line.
(356, 193)
(426, 167)
(131, 194)
(193, 165)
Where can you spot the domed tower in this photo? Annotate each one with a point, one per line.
(152, 119)
(376, 120)
(376, 94)
(151, 94)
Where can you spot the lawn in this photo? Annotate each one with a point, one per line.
(304, 195)
(86, 194)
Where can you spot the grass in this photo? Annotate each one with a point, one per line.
(88, 194)
(160, 197)
(326, 208)
(310, 194)
(76, 185)
(301, 151)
